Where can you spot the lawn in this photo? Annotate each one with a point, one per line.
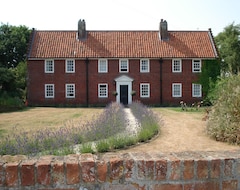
(33, 119)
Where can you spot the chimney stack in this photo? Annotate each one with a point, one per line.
(82, 33)
(163, 30)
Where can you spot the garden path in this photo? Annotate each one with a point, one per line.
(132, 125)
(181, 131)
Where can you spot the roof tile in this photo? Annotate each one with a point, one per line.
(120, 44)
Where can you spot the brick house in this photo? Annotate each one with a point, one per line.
(97, 67)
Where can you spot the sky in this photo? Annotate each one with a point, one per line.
(121, 14)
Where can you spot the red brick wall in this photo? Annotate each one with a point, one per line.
(37, 79)
(156, 171)
(186, 77)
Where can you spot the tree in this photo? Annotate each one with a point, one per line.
(13, 45)
(228, 43)
(13, 52)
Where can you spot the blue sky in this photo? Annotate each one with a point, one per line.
(121, 14)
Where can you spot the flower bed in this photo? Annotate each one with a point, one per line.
(99, 135)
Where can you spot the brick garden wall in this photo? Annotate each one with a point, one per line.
(157, 171)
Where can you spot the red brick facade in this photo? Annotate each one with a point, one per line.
(87, 86)
(160, 94)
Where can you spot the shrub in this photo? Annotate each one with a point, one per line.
(224, 118)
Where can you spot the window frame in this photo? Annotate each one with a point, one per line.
(141, 90)
(197, 70)
(99, 66)
(173, 66)
(141, 66)
(66, 90)
(99, 90)
(66, 66)
(46, 91)
(173, 90)
(194, 85)
(120, 66)
(46, 67)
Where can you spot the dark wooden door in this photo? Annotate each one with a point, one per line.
(124, 94)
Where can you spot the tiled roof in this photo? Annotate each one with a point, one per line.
(119, 44)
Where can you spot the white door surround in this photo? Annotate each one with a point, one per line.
(124, 80)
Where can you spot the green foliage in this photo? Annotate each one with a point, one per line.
(228, 43)
(103, 145)
(87, 148)
(13, 51)
(13, 45)
(224, 118)
(208, 76)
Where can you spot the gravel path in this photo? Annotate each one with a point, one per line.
(182, 131)
(132, 125)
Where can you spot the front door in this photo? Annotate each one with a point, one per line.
(124, 94)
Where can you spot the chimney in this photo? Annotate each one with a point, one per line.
(82, 33)
(163, 30)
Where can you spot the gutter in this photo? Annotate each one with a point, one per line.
(161, 62)
(87, 82)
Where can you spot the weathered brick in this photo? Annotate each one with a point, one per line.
(140, 169)
(28, 173)
(188, 169)
(230, 185)
(43, 168)
(11, 174)
(87, 165)
(214, 185)
(72, 171)
(175, 170)
(202, 169)
(161, 169)
(129, 167)
(168, 187)
(57, 173)
(215, 168)
(102, 170)
(1, 174)
(149, 171)
(116, 168)
(228, 167)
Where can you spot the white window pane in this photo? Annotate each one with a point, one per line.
(102, 90)
(144, 66)
(145, 90)
(177, 90)
(70, 90)
(70, 66)
(49, 66)
(123, 65)
(197, 90)
(176, 65)
(196, 66)
(49, 91)
(102, 66)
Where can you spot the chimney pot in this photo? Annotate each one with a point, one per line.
(82, 33)
(163, 30)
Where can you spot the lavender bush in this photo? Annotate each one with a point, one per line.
(61, 141)
(148, 120)
(107, 132)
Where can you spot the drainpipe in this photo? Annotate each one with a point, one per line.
(87, 85)
(161, 62)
